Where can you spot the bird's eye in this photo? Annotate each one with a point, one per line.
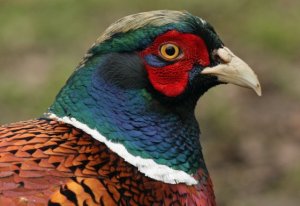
(169, 51)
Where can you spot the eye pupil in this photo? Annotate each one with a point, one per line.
(170, 50)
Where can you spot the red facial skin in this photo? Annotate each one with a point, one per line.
(171, 80)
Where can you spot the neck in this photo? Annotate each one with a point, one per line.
(162, 141)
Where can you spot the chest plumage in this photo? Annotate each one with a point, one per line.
(38, 156)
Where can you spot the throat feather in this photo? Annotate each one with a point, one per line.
(161, 142)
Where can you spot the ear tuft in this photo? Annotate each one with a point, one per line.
(125, 70)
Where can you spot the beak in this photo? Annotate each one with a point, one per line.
(233, 70)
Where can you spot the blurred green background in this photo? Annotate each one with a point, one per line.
(251, 144)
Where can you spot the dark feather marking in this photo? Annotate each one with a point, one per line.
(13, 151)
(101, 201)
(18, 164)
(100, 165)
(55, 164)
(53, 204)
(69, 194)
(31, 151)
(84, 203)
(73, 168)
(108, 192)
(88, 190)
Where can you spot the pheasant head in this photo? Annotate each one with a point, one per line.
(137, 87)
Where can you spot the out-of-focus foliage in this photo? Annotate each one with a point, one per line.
(251, 144)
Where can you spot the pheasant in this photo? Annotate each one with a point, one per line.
(122, 131)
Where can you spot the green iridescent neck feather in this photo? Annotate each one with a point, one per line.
(132, 117)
